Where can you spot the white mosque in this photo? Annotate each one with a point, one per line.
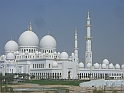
(45, 62)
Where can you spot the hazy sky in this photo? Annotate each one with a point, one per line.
(60, 17)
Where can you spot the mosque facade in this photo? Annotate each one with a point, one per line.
(45, 62)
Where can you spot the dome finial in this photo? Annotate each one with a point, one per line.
(48, 33)
(11, 38)
(30, 27)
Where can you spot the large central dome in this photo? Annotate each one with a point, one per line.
(48, 42)
(28, 38)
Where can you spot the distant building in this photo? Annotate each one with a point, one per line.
(45, 62)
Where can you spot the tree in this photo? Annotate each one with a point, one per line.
(6, 89)
(33, 76)
(9, 77)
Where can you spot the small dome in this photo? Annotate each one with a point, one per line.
(96, 66)
(63, 55)
(72, 54)
(26, 52)
(47, 53)
(28, 38)
(36, 52)
(88, 65)
(103, 66)
(11, 46)
(30, 54)
(55, 64)
(117, 66)
(17, 52)
(111, 66)
(55, 53)
(23, 54)
(39, 53)
(48, 42)
(58, 53)
(81, 65)
(3, 56)
(14, 53)
(122, 66)
(10, 56)
(105, 61)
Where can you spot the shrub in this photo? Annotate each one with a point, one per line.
(46, 92)
(67, 91)
(97, 91)
(114, 91)
(33, 76)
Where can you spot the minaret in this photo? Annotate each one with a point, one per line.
(88, 54)
(76, 46)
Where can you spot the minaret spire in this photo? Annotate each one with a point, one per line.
(88, 54)
(76, 46)
(88, 13)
